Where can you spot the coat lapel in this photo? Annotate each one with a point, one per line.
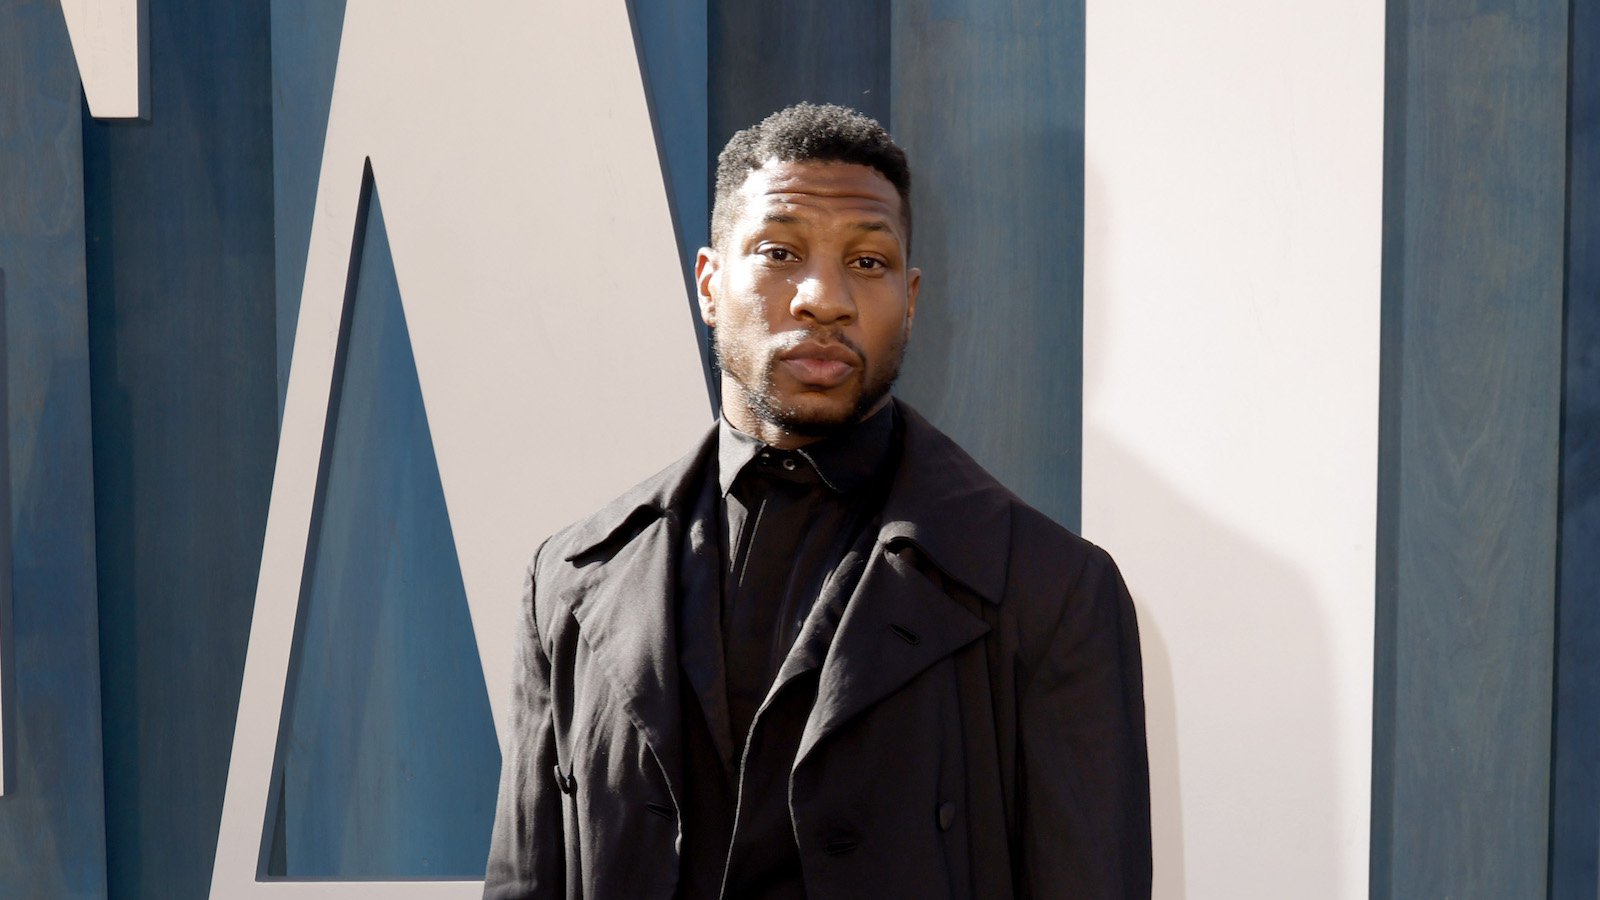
(946, 510)
(624, 601)
(897, 624)
(626, 614)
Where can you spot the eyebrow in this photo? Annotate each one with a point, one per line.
(783, 219)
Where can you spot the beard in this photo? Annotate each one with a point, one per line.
(751, 371)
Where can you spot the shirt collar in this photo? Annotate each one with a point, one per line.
(843, 461)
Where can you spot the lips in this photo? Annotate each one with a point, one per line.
(819, 365)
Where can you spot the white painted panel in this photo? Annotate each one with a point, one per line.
(109, 42)
(513, 153)
(1232, 251)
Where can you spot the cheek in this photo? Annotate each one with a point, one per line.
(755, 305)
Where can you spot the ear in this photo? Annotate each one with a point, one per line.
(913, 282)
(706, 265)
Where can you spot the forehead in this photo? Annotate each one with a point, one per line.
(828, 188)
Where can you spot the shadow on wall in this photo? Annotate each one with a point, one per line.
(1239, 680)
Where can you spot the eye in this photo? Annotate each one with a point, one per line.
(777, 254)
(870, 263)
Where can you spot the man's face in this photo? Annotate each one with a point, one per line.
(811, 299)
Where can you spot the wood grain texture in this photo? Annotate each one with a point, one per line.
(183, 352)
(1474, 208)
(988, 102)
(1575, 798)
(52, 837)
(767, 54)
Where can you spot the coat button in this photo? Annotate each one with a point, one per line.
(947, 815)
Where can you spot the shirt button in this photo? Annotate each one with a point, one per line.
(947, 815)
(789, 464)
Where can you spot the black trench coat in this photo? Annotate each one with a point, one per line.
(1001, 753)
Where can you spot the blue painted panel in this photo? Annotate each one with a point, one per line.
(52, 836)
(305, 55)
(988, 102)
(1474, 184)
(670, 36)
(181, 330)
(8, 691)
(767, 54)
(1575, 800)
(388, 760)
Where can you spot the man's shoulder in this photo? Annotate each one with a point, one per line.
(966, 516)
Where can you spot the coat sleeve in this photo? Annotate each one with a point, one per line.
(1083, 783)
(526, 850)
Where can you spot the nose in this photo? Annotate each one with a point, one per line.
(824, 296)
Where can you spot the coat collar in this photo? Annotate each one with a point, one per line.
(941, 501)
(955, 513)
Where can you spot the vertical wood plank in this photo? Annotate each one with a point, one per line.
(8, 701)
(1575, 798)
(184, 370)
(988, 102)
(767, 54)
(52, 835)
(1474, 196)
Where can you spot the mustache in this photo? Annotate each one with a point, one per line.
(793, 339)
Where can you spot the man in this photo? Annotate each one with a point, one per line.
(825, 654)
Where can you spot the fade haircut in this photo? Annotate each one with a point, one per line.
(807, 132)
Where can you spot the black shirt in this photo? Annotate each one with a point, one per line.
(772, 552)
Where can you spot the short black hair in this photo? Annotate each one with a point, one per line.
(807, 132)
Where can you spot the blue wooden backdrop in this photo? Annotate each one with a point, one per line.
(183, 358)
(1474, 212)
(1575, 793)
(52, 833)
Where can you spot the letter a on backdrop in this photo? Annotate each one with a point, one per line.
(537, 266)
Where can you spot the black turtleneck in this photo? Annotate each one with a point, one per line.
(772, 552)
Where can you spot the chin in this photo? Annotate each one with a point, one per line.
(814, 420)
(820, 417)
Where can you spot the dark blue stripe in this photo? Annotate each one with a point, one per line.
(1575, 793)
(768, 54)
(51, 820)
(184, 367)
(1474, 184)
(988, 102)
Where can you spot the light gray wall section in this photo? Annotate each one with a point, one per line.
(988, 102)
(1475, 163)
(52, 834)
